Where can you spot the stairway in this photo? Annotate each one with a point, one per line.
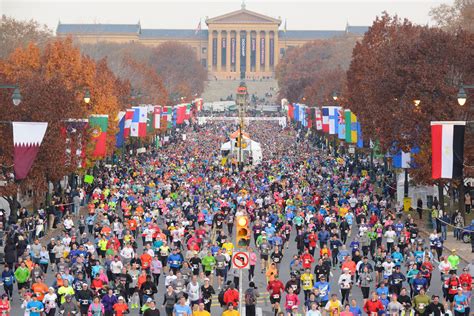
(217, 90)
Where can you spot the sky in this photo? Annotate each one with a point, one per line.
(179, 14)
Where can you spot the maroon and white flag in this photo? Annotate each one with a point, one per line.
(27, 138)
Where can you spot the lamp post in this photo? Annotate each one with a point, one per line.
(241, 97)
(335, 97)
(16, 100)
(462, 98)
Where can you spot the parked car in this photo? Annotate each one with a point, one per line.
(466, 233)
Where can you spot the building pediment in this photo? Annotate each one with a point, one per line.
(243, 16)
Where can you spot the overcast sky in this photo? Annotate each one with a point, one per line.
(300, 14)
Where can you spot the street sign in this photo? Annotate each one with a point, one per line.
(240, 260)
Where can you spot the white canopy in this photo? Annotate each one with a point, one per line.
(254, 148)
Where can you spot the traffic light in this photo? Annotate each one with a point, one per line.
(243, 231)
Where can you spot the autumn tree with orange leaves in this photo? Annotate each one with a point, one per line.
(52, 83)
(310, 73)
(398, 62)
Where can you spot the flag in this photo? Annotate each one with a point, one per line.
(341, 125)
(360, 141)
(302, 115)
(119, 137)
(128, 123)
(27, 139)
(351, 126)
(188, 112)
(325, 120)
(296, 112)
(157, 117)
(150, 116)
(99, 125)
(291, 111)
(198, 28)
(447, 146)
(333, 119)
(138, 128)
(404, 159)
(309, 117)
(166, 116)
(180, 113)
(318, 119)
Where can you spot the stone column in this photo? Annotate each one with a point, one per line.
(257, 53)
(209, 51)
(237, 53)
(227, 53)
(219, 51)
(276, 53)
(267, 51)
(247, 54)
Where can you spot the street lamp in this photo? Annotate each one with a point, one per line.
(87, 96)
(16, 96)
(462, 96)
(241, 98)
(416, 102)
(335, 96)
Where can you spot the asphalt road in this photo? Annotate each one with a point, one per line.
(260, 282)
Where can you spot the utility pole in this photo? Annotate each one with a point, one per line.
(241, 97)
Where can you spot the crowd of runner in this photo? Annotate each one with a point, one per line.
(157, 237)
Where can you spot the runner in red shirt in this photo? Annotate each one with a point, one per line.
(275, 288)
(373, 306)
(466, 279)
(5, 305)
(307, 259)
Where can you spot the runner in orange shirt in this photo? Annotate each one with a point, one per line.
(39, 288)
(146, 261)
(120, 308)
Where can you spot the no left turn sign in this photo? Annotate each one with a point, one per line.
(240, 260)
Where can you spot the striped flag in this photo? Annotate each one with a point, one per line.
(128, 122)
(325, 120)
(351, 126)
(333, 119)
(318, 119)
(447, 145)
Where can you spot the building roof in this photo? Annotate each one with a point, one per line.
(361, 30)
(309, 35)
(98, 28)
(172, 34)
(243, 16)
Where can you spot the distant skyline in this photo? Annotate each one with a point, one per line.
(300, 14)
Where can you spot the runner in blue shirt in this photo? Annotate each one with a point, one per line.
(34, 306)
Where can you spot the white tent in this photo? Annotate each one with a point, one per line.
(226, 146)
(253, 148)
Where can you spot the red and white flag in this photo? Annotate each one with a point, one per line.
(27, 138)
(128, 123)
(318, 119)
(447, 146)
(157, 116)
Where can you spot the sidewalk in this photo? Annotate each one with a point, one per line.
(463, 250)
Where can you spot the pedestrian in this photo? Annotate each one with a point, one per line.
(250, 298)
